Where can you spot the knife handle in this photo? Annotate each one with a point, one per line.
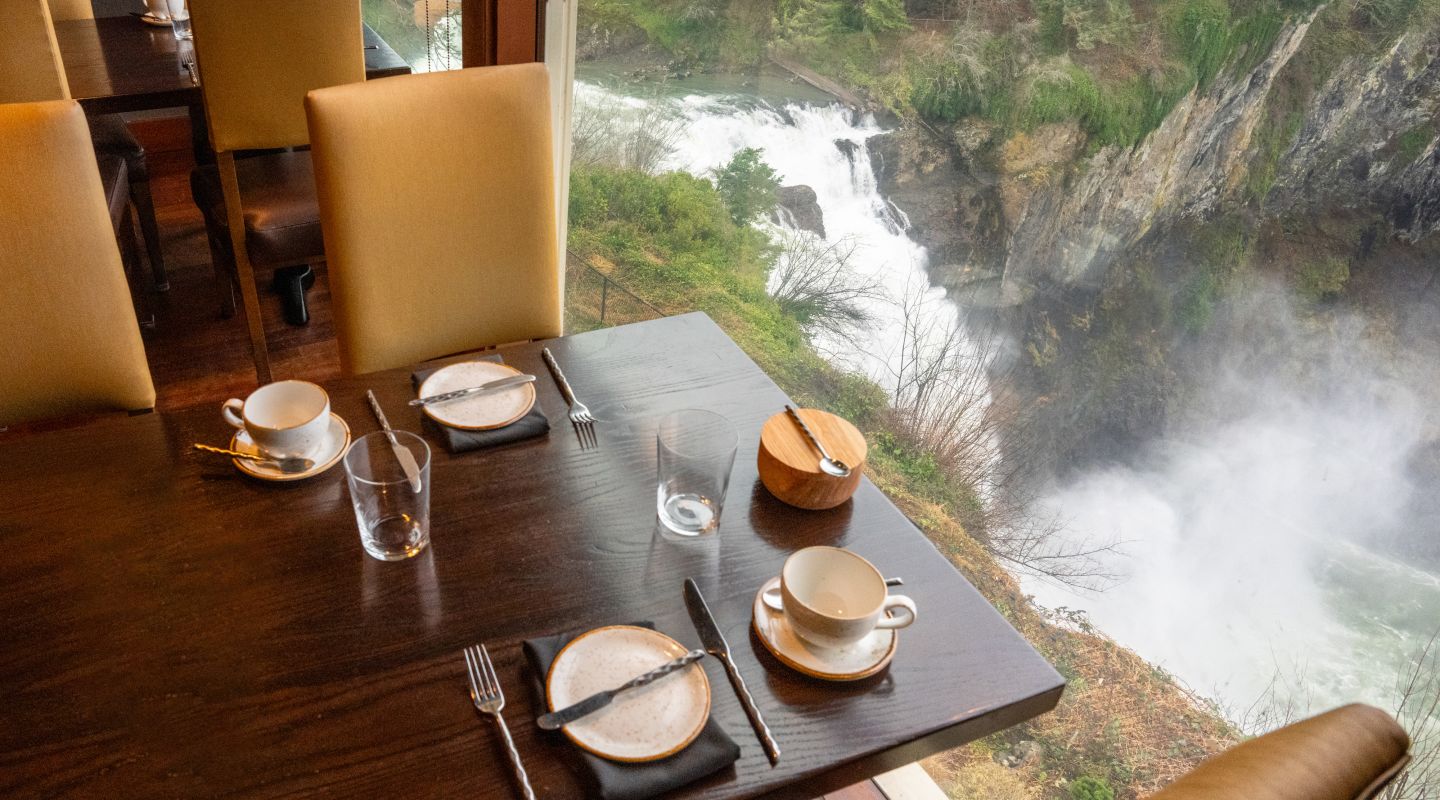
(662, 670)
(380, 415)
(772, 750)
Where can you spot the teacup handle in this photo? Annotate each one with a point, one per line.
(230, 411)
(889, 618)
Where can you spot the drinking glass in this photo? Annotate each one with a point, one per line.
(394, 519)
(179, 18)
(696, 450)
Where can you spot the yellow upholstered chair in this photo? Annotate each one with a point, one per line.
(437, 201)
(30, 67)
(1349, 753)
(72, 9)
(257, 60)
(72, 343)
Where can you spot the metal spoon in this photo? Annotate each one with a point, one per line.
(289, 466)
(828, 465)
(773, 599)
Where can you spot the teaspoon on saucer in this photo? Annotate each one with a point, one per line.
(772, 596)
(289, 466)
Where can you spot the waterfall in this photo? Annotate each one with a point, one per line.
(821, 146)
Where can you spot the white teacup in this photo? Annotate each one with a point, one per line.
(285, 419)
(833, 597)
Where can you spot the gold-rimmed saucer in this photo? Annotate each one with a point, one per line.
(858, 661)
(331, 450)
(645, 724)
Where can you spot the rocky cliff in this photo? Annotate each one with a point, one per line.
(1038, 209)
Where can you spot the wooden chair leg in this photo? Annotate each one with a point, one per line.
(145, 210)
(224, 267)
(130, 259)
(245, 274)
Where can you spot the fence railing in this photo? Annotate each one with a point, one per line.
(591, 304)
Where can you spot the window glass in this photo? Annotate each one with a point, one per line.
(426, 33)
(1135, 301)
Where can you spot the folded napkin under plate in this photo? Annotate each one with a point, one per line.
(712, 751)
(456, 440)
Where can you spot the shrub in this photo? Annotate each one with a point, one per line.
(748, 186)
(1323, 279)
(1202, 33)
(1088, 788)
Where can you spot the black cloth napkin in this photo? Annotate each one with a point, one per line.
(711, 751)
(462, 441)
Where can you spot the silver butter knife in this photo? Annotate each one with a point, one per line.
(503, 383)
(558, 719)
(714, 642)
(403, 455)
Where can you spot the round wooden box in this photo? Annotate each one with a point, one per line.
(790, 465)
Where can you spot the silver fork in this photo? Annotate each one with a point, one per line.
(580, 416)
(489, 699)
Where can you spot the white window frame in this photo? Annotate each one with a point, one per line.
(560, 23)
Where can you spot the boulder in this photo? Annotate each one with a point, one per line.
(800, 208)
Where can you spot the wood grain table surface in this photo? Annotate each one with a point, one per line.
(174, 629)
(117, 64)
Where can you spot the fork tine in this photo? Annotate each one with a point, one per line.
(470, 672)
(490, 670)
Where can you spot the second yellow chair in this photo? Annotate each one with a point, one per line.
(437, 205)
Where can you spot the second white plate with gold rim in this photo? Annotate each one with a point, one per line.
(645, 724)
(482, 411)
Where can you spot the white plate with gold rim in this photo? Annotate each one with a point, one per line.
(645, 724)
(854, 662)
(482, 411)
(327, 455)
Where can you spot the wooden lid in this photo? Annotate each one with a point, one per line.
(783, 440)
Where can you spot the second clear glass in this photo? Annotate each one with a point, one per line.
(695, 451)
(394, 519)
(180, 18)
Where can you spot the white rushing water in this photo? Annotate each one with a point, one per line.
(798, 140)
(1243, 553)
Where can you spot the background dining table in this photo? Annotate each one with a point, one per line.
(120, 64)
(174, 629)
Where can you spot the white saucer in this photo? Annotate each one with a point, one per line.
(644, 724)
(854, 662)
(482, 411)
(337, 441)
(155, 19)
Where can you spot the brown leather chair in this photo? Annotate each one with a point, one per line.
(449, 244)
(72, 342)
(254, 77)
(113, 137)
(1350, 753)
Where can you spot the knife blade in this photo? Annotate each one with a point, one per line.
(558, 719)
(714, 643)
(503, 383)
(402, 454)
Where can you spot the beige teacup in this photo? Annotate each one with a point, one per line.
(285, 419)
(833, 597)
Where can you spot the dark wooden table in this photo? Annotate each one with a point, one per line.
(172, 629)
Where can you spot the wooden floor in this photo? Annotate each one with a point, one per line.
(195, 355)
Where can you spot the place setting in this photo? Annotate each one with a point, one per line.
(632, 702)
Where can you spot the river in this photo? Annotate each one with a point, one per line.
(1240, 572)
